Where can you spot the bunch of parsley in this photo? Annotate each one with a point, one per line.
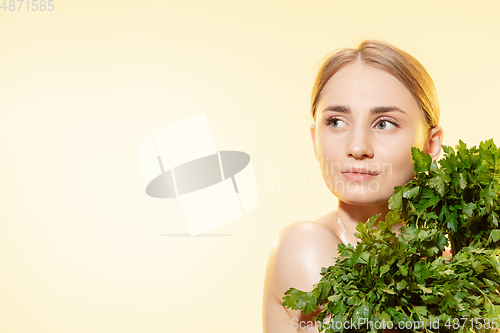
(403, 279)
(459, 197)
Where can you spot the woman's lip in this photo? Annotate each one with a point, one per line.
(358, 177)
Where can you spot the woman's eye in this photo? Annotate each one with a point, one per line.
(335, 122)
(385, 124)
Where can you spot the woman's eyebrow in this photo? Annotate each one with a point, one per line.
(375, 110)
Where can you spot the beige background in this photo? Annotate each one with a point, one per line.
(83, 248)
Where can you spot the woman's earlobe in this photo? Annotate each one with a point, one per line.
(435, 142)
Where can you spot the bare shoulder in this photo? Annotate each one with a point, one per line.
(306, 232)
(299, 252)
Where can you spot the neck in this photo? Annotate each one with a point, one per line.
(353, 214)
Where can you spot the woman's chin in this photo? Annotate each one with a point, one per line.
(362, 198)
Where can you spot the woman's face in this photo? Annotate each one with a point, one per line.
(366, 119)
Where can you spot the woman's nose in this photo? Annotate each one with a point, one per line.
(360, 145)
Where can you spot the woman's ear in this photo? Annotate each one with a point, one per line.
(313, 137)
(434, 142)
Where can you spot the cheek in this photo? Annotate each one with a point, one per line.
(329, 158)
(398, 164)
(396, 149)
(327, 149)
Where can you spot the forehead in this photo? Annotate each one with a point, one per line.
(360, 86)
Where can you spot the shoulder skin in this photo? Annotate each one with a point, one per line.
(299, 252)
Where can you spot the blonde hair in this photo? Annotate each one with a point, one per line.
(381, 55)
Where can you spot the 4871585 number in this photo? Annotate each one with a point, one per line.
(27, 5)
(477, 323)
